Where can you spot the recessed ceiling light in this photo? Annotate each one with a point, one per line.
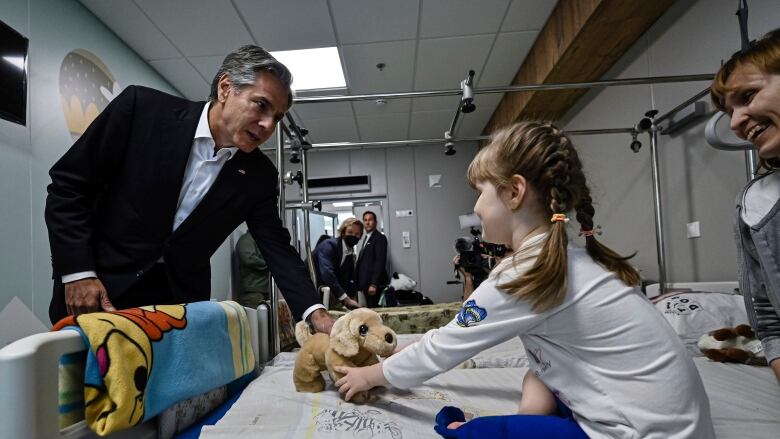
(313, 68)
(343, 204)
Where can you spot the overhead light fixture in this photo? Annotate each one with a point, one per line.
(343, 204)
(313, 69)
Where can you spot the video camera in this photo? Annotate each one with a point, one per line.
(471, 250)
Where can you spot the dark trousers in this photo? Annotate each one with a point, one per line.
(346, 276)
(151, 289)
(373, 301)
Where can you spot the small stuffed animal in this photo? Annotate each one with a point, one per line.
(402, 282)
(401, 292)
(356, 339)
(733, 345)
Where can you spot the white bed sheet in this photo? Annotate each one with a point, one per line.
(271, 408)
(745, 402)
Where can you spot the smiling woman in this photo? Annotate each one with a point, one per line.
(747, 87)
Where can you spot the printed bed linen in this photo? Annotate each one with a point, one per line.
(745, 401)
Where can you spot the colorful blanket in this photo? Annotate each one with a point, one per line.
(142, 360)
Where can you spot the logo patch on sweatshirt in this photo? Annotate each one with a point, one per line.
(471, 314)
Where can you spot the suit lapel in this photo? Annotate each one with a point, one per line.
(176, 142)
(365, 246)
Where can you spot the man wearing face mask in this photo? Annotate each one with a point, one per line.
(334, 261)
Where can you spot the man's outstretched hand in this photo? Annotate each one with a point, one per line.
(321, 320)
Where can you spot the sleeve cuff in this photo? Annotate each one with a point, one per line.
(771, 348)
(311, 309)
(384, 372)
(78, 276)
(394, 380)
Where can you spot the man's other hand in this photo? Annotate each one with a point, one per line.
(321, 320)
(85, 296)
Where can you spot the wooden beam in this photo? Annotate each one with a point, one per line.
(581, 40)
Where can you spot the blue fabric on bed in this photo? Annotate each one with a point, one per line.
(234, 389)
(238, 385)
(512, 426)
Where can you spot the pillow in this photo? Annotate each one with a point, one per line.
(695, 313)
(416, 319)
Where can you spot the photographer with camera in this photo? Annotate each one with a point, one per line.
(467, 278)
(475, 260)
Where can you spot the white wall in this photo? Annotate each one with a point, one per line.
(699, 183)
(54, 28)
(400, 176)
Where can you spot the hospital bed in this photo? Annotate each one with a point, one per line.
(29, 373)
(745, 400)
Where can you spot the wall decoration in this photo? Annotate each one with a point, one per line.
(86, 88)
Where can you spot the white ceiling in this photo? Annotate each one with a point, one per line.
(425, 45)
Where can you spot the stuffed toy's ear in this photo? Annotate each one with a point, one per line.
(723, 334)
(342, 340)
(745, 331)
(302, 332)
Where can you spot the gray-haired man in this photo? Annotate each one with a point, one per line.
(141, 201)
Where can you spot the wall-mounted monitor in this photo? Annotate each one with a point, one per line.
(13, 75)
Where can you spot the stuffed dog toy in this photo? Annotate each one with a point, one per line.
(356, 339)
(733, 345)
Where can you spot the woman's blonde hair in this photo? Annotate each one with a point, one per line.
(347, 223)
(763, 53)
(546, 158)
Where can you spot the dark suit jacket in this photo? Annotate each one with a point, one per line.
(371, 262)
(113, 197)
(327, 260)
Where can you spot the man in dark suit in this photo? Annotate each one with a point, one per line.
(334, 262)
(372, 258)
(141, 201)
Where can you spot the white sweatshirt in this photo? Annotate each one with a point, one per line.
(605, 351)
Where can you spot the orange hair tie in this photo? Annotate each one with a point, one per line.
(559, 217)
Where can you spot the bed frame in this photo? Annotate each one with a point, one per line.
(29, 378)
(653, 290)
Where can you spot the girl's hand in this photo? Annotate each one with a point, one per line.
(358, 379)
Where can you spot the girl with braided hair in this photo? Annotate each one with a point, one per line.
(603, 362)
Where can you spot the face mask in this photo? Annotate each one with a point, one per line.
(351, 240)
